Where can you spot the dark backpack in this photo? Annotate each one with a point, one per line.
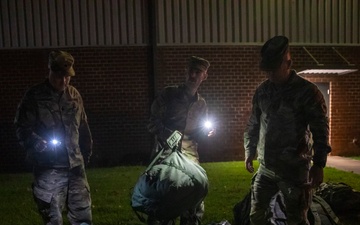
(241, 211)
(342, 198)
(320, 212)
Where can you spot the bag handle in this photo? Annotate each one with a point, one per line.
(173, 142)
(156, 158)
(327, 208)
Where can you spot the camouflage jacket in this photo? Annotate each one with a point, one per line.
(43, 114)
(280, 124)
(174, 109)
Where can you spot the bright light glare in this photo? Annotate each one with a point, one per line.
(208, 124)
(55, 142)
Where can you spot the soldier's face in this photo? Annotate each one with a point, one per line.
(195, 77)
(281, 74)
(59, 80)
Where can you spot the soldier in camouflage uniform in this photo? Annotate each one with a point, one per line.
(286, 111)
(54, 110)
(182, 108)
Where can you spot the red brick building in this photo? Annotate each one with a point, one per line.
(118, 81)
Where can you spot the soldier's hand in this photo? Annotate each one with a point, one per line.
(40, 145)
(249, 164)
(87, 161)
(211, 133)
(316, 175)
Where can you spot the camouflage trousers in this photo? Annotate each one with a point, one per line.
(266, 184)
(55, 189)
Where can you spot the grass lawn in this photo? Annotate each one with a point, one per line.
(111, 191)
(355, 157)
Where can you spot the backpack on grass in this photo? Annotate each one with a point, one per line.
(241, 210)
(320, 213)
(342, 198)
(169, 187)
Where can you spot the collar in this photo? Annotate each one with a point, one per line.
(188, 94)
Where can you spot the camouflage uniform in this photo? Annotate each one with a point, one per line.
(59, 174)
(279, 131)
(175, 109)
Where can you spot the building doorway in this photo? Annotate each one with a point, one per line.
(325, 90)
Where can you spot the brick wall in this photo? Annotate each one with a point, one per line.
(117, 89)
(114, 83)
(344, 96)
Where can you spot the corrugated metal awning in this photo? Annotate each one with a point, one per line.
(341, 68)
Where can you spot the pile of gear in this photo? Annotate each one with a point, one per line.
(330, 201)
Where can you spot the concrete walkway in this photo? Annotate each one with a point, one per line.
(344, 163)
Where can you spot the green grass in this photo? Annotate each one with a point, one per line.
(111, 188)
(355, 157)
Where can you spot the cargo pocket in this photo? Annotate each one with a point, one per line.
(80, 198)
(42, 194)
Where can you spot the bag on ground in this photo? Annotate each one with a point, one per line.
(241, 210)
(342, 198)
(320, 212)
(170, 187)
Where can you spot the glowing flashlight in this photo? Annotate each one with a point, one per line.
(55, 142)
(208, 124)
